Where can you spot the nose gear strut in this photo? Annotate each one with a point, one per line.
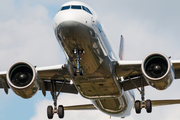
(78, 69)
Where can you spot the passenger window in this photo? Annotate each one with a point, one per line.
(75, 7)
(65, 8)
(86, 9)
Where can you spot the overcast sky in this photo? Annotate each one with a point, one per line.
(26, 34)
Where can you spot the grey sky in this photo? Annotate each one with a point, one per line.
(148, 26)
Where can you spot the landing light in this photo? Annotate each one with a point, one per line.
(122, 78)
(71, 82)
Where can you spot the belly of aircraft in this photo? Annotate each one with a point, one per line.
(74, 35)
(97, 81)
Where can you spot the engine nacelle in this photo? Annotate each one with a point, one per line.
(23, 79)
(158, 71)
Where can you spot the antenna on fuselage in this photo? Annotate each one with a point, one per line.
(121, 48)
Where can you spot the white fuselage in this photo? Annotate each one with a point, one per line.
(76, 28)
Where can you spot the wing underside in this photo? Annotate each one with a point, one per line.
(132, 73)
(58, 73)
(130, 70)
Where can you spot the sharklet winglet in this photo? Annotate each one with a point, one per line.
(121, 48)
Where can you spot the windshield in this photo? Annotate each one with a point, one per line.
(75, 7)
(65, 7)
(86, 9)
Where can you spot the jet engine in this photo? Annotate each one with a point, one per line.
(158, 71)
(23, 79)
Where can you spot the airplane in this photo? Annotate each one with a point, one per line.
(92, 69)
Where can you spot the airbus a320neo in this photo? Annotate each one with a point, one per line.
(92, 69)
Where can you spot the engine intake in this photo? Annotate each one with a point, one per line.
(158, 71)
(23, 79)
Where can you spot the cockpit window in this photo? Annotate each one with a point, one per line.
(65, 7)
(86, 9)
(75, 7)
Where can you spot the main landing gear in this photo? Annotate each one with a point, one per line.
(142, 104)
(60, 109)
(78, 69)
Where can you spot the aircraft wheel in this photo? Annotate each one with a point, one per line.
(60, 111)
(74, 71)
(138, 106)
(50, 112)
(148, 106)
(81, 71)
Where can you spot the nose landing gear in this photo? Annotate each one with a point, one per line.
(78, 69)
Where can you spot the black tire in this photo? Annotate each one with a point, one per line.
(81, 71)
(50, 112)
(74, 71)
(61, 111)
(148, 106)
(79, 51)
(138, 106)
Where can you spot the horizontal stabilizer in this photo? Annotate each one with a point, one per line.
(80, 107)
(156, 103)
(164, 102)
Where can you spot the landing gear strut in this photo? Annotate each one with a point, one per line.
(60, 109)
(142, 104)
(78, 69)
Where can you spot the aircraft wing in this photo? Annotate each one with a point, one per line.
(132, 70)
(176, 65)
(59, 73)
